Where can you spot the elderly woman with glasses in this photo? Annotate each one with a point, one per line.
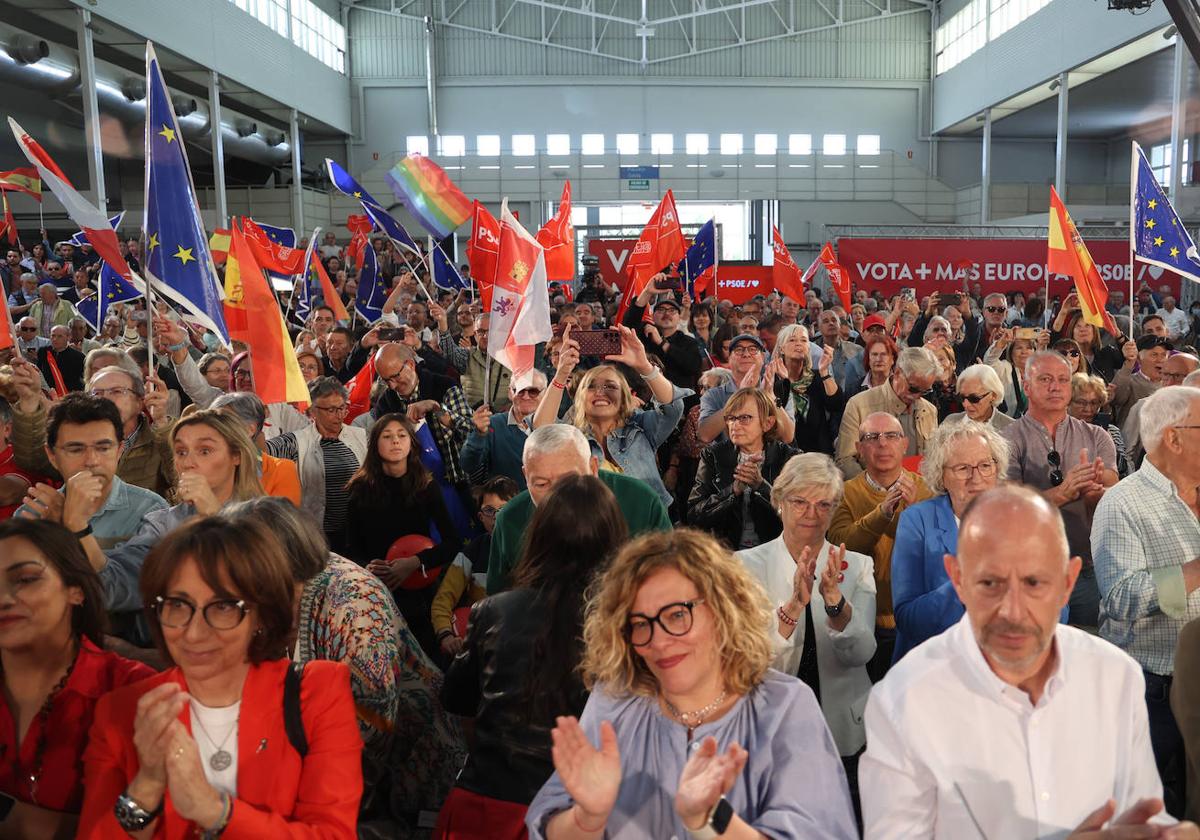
(731, 498)
(1089, 396)
(980, 391)
(963, 460)
(232, 738)
(677, 654)
(803, 572)
(623, 438)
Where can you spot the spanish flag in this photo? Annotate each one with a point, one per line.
(218, 245)
(1068, 255)
(253, 316)
(24, 180)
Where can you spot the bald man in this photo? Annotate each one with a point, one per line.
(1010, 724)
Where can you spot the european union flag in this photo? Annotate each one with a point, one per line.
(445, 275)
(177, 259)
(80, 238)
(700, 258)
(110, 289)
(372, 293)
(344, 183)
(1156, 234)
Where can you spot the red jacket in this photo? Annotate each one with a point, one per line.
(279, 795)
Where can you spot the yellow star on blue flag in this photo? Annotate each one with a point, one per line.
(1156, 233)
(183, 270)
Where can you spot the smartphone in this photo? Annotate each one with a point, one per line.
(951, 299)
(391, 333)
(1026, 334)
(908, 293)
(597, 342)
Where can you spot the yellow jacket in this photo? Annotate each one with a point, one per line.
(455, 583)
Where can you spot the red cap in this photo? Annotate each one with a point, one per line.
(876, 320)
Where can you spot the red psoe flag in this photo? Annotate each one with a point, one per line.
(660, 245)
(557, 237)
(785, 274)
(360, 228)
(483, 252)
(253, 316)
(1067, 254)
(332, 299)
(837, 275)
(359, 388)
(271, 256)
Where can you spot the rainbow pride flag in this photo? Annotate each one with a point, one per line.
(429, 195)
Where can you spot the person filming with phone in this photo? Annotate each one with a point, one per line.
(623, 438)
(682, 354)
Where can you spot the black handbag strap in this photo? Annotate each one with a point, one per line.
(293, 720)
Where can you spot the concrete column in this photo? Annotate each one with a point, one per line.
(297, 192)
(1060, 142)
(218, 147)
(1178, 115)
(91, 108)
(985, 171)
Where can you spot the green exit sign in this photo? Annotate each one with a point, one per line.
(639, 183)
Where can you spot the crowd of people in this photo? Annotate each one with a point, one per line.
(580, 600)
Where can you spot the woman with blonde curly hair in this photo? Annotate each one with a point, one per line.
(677, 653)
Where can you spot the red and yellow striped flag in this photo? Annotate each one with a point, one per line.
(24, 180)
(253, 316)
(1069, 256)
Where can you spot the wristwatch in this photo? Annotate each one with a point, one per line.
(718, 821)
(132, 816)
(836, 609)
(83, 532)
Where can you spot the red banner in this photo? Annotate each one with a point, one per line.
(736, 282)
(1001, 265)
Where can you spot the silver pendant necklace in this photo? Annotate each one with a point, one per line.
(221, 759)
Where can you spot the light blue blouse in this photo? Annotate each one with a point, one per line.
(793, 785)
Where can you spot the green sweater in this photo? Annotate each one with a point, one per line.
(643, 511)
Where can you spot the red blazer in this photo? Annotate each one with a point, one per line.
(278, 794)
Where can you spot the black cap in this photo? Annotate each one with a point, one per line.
(669, 301)
(737, 339)
(1149, 342)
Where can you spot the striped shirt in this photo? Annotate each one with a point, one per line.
(340, 465)
(1142, 534)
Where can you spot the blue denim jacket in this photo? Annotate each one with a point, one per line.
(633, 446)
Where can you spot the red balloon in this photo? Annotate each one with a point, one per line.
(410, 546)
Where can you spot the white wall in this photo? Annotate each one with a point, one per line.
(1063, 35)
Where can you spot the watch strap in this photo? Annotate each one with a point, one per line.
(837, 608)
(84, 532)
(716, 824)
(131, 816)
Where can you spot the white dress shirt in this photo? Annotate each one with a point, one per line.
(954, 752)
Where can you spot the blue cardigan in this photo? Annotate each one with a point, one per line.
(496, 453)
(923, 598)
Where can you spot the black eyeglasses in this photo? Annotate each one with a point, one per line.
(224, 614)
(995, 309)
(675, 619)
(975, 399)
(1069, 351)
(1055, 461)
(920, 392)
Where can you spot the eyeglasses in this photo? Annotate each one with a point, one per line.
(1055, 461)
(738, 419)
(995, 310)
(27, 329)
(1069, 351)
(675, 619)
(919, 392)
(77, 450)
(529, 393)
(109, 393)
(224, 614)
(333, 410)
(1087, 403)
(975, 399)
(963, 472)
(875, 437)
(745, 350)
(606, 387)
(803, 506)
(937, 330)
(488, 511)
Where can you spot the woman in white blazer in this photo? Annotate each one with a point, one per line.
(823, 587)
